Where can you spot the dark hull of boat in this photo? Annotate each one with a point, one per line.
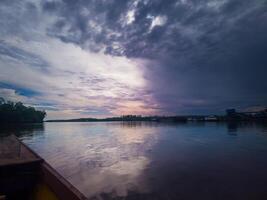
(34, 179)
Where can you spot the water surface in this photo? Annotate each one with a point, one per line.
(116, 160)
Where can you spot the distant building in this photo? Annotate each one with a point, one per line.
(232, 115)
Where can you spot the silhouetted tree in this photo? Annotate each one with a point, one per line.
(18, 113)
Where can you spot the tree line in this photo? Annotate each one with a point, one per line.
(16, 112)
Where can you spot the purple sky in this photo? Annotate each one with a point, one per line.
(98, 58)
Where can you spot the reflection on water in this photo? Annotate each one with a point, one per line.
(155, 161)
(21, 130)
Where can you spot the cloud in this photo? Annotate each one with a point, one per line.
(112, 57)
(75, 81)
(11, 95)
(157, 21)
(73, 78)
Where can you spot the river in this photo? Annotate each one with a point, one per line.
(148, 160)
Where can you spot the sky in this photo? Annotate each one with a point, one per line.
(103, 58)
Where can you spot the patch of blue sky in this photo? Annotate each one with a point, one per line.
(19, 90)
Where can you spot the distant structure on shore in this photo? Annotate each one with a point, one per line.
(11, 112)
(231, 116)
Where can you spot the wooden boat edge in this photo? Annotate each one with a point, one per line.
(63, 189)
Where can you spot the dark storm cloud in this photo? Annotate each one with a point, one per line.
(204, 55)
(209, 54)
